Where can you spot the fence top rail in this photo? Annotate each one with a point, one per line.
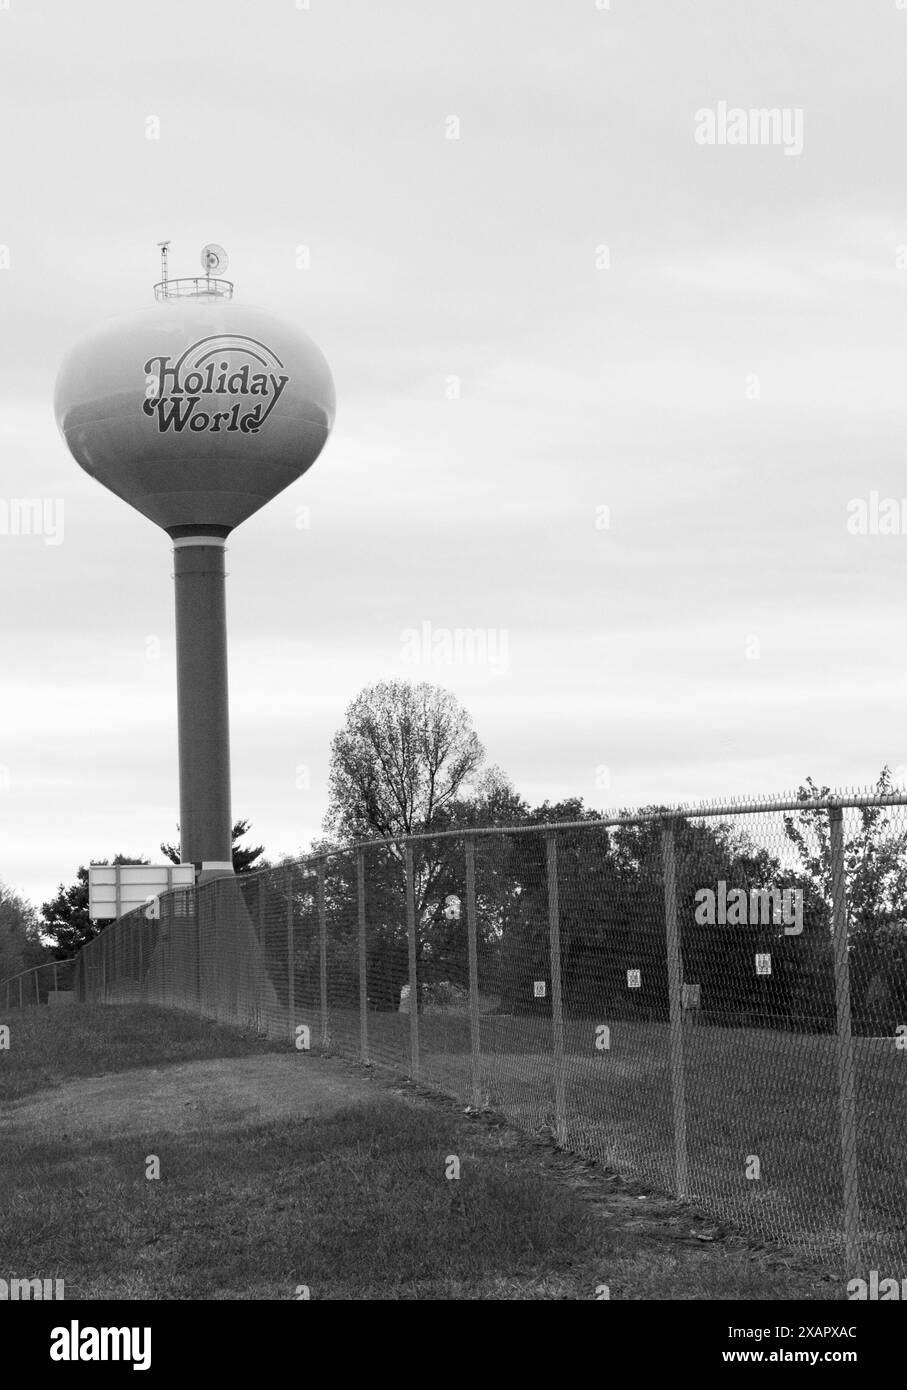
(44, 965)
(702, 811)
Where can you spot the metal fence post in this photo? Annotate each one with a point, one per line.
(199, 991)
(322, 952)
(675, 1007)
(363, 964)
(207, 900)
(557, 1017)
(263, 1023)
(844, 1045)
(471, 932)
(291, 959)
(413, 980)
(55, 977)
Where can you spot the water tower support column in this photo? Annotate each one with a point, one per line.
(204, 725)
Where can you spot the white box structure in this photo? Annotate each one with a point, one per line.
(114, 889)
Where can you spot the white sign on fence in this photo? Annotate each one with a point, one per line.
(538, 989)
(634, 979)
(763, 965)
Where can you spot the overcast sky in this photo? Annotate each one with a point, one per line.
(725, 379)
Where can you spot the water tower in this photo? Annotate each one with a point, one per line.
(197, 411)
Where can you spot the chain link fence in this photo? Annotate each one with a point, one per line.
(711, 1000)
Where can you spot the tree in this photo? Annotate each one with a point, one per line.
(875, 859)
(20, 937)
(65, 918)
(244, 857)
(875, 876)
(405, 754)
(401, 765)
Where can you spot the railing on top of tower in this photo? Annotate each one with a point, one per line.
(196, 287)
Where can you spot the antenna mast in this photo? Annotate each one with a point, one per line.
(164, 245)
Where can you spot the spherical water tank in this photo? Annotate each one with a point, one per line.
(197, 411)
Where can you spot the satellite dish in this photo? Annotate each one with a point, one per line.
(214, 258)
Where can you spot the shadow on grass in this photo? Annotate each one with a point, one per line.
(51, 1046)
(356, 1205)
